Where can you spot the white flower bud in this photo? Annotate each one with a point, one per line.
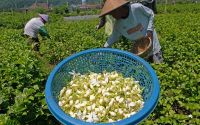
(132, 104)
(121, 100)
(68, 92)
(60, 103)
(89, 108)
(97, 109)
(120, 111)
(87, 93)
(93, 106)
(101, 108)
(77, 101)
(117, 98)
(111, 102)
(92, 97)
(101, 101)
(137, 82)
(132, 113)
(85, 86)
(110, 120)
(62, 91)
(99, 90)
(112, 113)
(77, 106)
(71, 102)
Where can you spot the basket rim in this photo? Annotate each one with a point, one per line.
(134, 119)
(149, 47)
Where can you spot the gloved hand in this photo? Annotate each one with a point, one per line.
(101, 23)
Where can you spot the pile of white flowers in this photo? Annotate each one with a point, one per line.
(103, 97)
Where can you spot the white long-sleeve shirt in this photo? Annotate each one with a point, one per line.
(135, 26)
(32, 27)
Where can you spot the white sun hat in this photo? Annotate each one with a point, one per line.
(45, 17)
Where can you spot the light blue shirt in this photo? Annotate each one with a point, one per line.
(135, 26)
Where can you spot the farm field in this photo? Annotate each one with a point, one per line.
(23, 73)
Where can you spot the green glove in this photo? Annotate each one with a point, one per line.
(43, 32)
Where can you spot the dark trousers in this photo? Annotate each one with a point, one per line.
(34, 43)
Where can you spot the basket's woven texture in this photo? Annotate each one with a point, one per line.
(104, 61)
(99, 60)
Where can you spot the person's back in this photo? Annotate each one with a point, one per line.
(32, 27)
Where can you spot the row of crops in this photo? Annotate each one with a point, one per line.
(23, 73)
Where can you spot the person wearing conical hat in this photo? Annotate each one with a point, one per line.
(109, 21)
(135, 22)
(34, 27)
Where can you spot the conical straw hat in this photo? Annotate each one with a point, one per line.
(111, 5)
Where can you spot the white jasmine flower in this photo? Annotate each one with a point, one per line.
(62, 91)
(92, 117)
(99, 90)
(87, 93)
(89, 108)
(132, 104)
(71, 102)
(68, 92)
(132, 113)
(106, 79)
(70, 97)
(84, 112)
(92, 97)
(79, 92)
(106, 94)
(77, 106)
(94, 82)
(101, 108)
(85, 86)
(60, 103)
(140, 102)
(106, 99)
(101, 101)
(72, 73)
(93, 106)
(79, 115)
(117, 98)
(74, 85)
(121, 100)
(111, 102)
(127, 88)
(137, 82)
(112, 113)
(91, 86)
(110, 120)
(97, 109)
(120, 111)
(83, 104)
(127, 115)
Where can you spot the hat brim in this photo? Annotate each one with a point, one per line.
(40, 15)
(107, 12)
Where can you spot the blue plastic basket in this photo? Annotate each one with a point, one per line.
(99, 60)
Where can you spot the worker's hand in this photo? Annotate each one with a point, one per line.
(101, 23)
(149, 35)
(97, 27)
